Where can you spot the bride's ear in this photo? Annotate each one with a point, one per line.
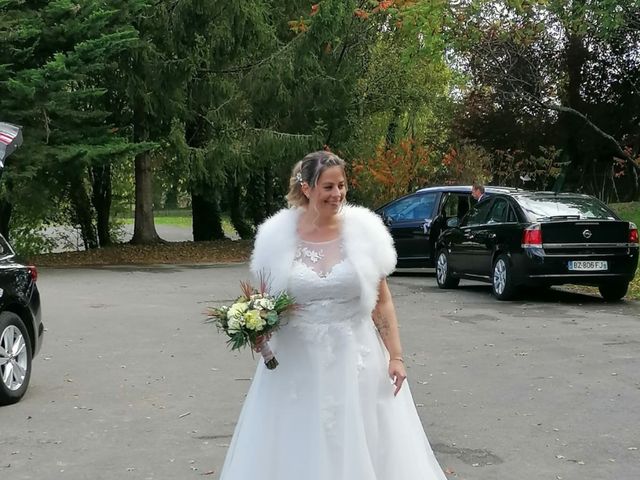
(306, 190)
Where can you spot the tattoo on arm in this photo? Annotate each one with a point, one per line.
(381, 322)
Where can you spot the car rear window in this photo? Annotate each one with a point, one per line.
(561, 208)
(5, 248)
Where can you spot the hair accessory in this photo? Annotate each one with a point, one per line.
(299, 178)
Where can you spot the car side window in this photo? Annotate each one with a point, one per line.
(415, 207)
(478, 214)
(499, 211)
(455, 205)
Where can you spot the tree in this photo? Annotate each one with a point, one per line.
(53, 55)
(543, 59)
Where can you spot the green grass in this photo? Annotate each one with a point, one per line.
(166, 220)
(179, 218)
(631, 212)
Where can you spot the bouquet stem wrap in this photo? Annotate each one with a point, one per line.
(268, 356)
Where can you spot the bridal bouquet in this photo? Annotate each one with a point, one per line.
(256, 313)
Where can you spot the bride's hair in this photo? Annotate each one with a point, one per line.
(308, 170)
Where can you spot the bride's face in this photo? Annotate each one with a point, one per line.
(330, 191)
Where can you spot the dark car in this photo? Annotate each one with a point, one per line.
(540, 239)
(416, 220)
(21, 327)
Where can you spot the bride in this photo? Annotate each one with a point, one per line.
(336, 407)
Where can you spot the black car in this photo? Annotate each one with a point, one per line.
(416, 220)
(21, 327)
(517, 238)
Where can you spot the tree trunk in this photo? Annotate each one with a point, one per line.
(144, 229)
(82, 208)
(272, 206)
(575, 57)
(207, 221)
(392, 129)
(6, 209)
(101, 198)
(236, 211)
(262, 201)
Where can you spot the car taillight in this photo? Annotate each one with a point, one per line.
(33, 271)
(633, 233)
(532, 236)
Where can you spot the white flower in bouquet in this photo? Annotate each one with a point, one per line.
(235, 324)
(264, 304)
(253, 320)
(237, 310)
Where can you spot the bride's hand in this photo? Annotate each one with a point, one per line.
(397, 373)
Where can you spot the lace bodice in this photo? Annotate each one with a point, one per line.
(320, 257)
(324, 283)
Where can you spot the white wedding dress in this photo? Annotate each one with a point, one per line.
(327, 412)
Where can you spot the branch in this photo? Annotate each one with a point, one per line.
(275, 133)
(532, 93)
(619, 151)
(251, 66)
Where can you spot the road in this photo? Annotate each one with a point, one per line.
(130, 384)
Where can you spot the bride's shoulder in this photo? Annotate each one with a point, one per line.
(366, 229)
(280, 222)
(363, 218)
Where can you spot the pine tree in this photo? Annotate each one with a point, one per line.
(54, 55)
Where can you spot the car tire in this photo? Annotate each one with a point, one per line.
(614, 291)
(502, 284)
(15, 358)
(443, 273)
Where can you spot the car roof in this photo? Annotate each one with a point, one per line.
(467, 189)
(495, 189)
(539, 194)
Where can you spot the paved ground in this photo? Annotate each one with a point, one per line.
(131, 384)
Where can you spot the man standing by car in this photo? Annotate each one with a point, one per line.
(477, 191)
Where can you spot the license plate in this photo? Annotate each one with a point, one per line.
(588, 265)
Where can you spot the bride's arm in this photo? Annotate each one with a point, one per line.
(384, 317)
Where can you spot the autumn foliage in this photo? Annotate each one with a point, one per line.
(391, 172)
(386, 7)
(403, 168)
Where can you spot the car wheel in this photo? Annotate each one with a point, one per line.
(443, 273)
(502, 279)
(614, 291)
(15, 358)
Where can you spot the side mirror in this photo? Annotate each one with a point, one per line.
(453, 222)
(387, 220)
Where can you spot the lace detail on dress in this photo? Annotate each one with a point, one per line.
(320, 257)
